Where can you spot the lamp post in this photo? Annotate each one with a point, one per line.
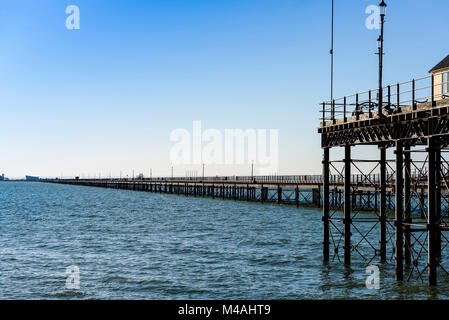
(380, 45)
(332, 52)
(252, 170)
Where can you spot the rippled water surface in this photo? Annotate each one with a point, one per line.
(134, 245)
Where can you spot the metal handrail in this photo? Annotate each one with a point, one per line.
(402, 94)
(289, 179)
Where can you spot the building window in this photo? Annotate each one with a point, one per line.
(446, 82)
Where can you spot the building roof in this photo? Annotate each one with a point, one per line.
(442, 65)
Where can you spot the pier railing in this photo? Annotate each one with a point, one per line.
(228, 179)
(368, 179)
(396, 98)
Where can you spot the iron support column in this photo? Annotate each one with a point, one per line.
(432, 225)
(297, 196)
(438, 199)
(407, 205)
(326, 204)
(399, 212)
(279, 194)
(383, 202)
(347, 206)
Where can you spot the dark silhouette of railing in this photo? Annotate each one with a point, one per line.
(370, 179)
(395, 98)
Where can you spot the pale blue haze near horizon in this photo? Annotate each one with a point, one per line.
(106, 97)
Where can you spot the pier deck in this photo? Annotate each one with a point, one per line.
(290, 190)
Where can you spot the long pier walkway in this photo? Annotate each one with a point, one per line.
(287, 190)
(293, 190)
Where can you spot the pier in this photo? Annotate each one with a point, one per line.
(304, 190)
(407, 193)
(293, 190)
(412, 119)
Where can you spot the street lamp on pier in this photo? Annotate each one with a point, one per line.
(252, 170)
(380, 45)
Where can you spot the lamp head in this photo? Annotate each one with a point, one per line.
(383, 8)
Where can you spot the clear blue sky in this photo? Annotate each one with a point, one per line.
(106, 97)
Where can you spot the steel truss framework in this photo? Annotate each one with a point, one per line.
(415, 127)
(410, 201)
